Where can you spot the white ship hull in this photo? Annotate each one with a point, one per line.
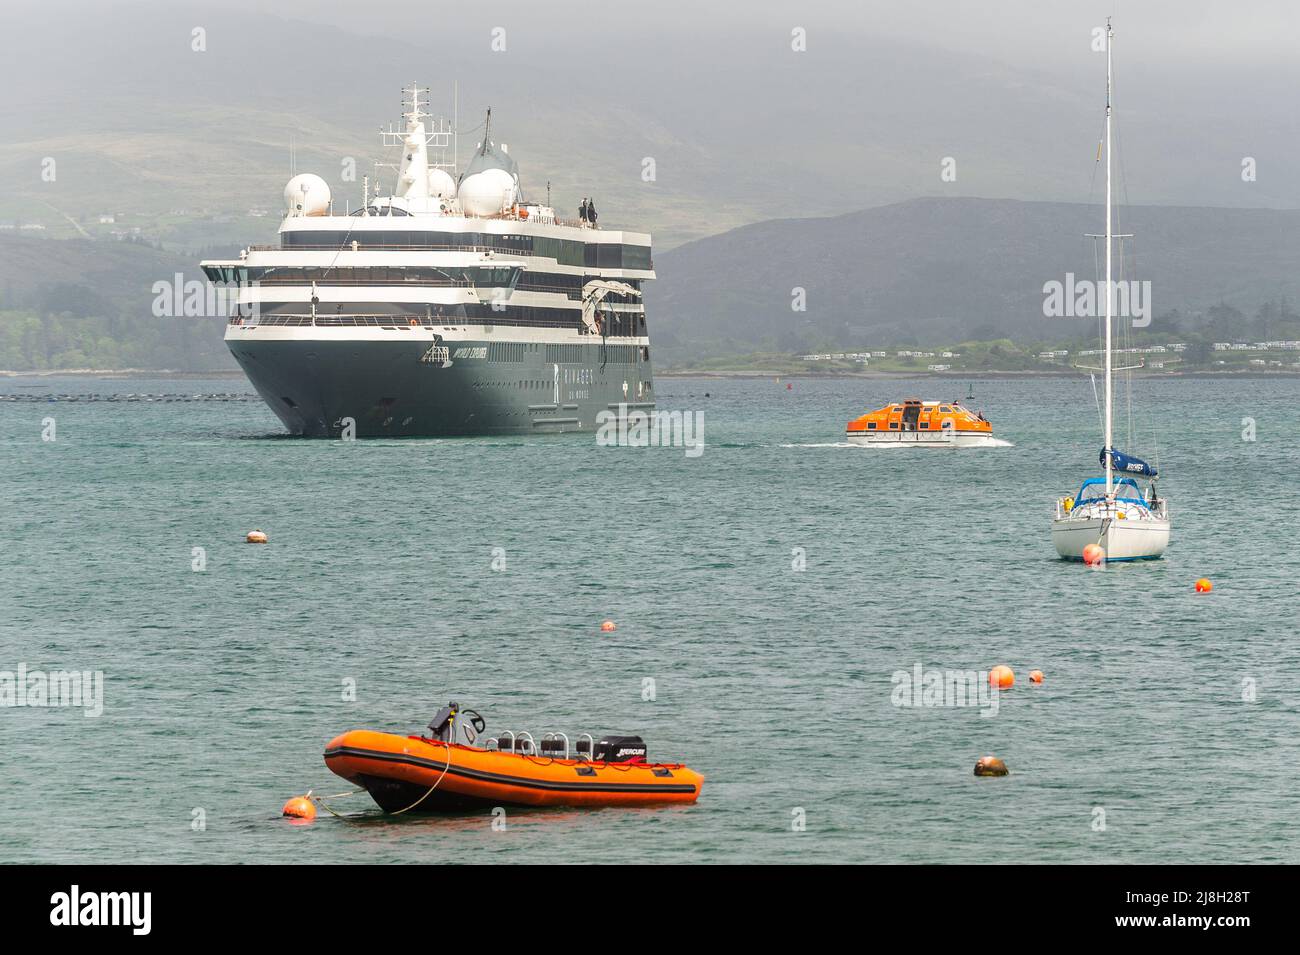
(923, 439)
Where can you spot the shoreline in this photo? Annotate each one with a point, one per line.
(723, 375)
(712, 374)
(156, 373)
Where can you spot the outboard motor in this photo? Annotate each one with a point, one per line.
(454, 725)
(620, 749)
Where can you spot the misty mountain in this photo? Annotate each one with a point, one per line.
(935, 271)
(741, 127)
(77, 303)
(924, 271)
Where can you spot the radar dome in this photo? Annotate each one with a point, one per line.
(487, 193)
(307, 195)
(441, 185)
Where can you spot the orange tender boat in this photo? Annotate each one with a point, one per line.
(448, 773)
(933, 424)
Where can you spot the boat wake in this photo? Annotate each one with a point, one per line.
(828, 444)
(893, 445)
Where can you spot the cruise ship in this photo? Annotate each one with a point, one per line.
(453, 306)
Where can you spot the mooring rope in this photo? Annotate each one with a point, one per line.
(431, 788)
(319, 800)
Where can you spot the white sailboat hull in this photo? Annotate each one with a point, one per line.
(1121, 539)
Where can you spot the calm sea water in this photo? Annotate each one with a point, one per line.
(222, 686)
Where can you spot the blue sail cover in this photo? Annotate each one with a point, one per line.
(1128, 464)
(1125, 489)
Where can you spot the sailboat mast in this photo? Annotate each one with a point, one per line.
(1110, 482)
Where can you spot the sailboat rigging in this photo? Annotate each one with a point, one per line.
(1112, 513)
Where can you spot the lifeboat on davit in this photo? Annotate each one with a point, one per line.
(932, 424)
(446, 771)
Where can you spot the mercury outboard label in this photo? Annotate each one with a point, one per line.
(621, 749)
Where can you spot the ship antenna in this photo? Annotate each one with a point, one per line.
(415, 114)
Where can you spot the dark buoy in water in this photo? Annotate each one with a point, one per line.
(990, 766)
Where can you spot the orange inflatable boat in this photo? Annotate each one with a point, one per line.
(446, 771)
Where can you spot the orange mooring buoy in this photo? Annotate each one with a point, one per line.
(1035, 676)
(1002, 677)
(256, 537)
(1203, 586)
(1093, 555)
(300, 807)
(608, 626)
(990, 766)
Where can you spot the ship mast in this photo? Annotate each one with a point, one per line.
(1110, 481)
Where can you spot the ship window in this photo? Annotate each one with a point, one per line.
(636, 257)
(894, 425)
(871, 426)
(946, 410)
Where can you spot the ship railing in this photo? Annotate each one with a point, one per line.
(388, 247)
(285, 282)
(409, 320)
(280, 281)
(413, 320)
(374, 321)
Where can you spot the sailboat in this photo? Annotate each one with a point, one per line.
(1113, 512)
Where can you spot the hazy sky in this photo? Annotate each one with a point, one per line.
(1017, 32)
(740, 126)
